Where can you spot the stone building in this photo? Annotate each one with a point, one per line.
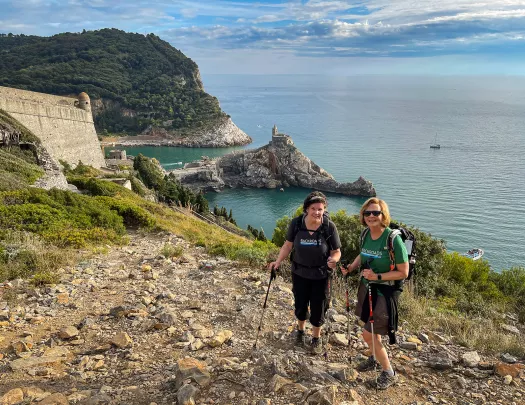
(279, 140)
(117, 154)
(83, 102)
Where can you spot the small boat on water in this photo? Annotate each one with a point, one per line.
(474, 254)
(435, 145)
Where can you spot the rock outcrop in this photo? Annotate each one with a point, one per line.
(278, 164)
(223, 133)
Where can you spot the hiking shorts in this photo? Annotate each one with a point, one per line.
(313, 293)
(380, 311)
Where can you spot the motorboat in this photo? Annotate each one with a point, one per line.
(474, 254)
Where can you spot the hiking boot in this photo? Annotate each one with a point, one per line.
(299, 338)
(385, 380)
(317, 346)
(368, 364)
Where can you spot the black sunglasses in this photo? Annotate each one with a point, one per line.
(374, 213)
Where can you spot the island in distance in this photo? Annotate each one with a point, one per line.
(276, 165)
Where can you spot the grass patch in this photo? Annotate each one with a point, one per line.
(479, 332)
(26, 255)
(170, 250)
(16, 171)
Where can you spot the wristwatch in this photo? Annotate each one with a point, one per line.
(379, 277)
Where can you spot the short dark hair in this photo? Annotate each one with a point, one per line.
(314, 197)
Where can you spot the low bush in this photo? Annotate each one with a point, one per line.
(61, 217)
(170, 250)
(25, 255)
(17, 171)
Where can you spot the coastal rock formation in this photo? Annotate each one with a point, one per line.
(223, 133)
(275, 166)
(278, 164)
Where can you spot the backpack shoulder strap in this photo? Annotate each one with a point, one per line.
(391, 236)
(364, 232)
(325, 228)
(298, 224)
(390, 246)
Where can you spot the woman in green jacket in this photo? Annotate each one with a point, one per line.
(379, 269)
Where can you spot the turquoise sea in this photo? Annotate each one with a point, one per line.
(471, 192)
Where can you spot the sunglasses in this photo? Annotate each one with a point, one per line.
(374, 213)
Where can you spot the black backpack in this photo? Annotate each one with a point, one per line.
(408, 239)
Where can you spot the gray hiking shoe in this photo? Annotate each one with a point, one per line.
(299, 339)
(317, 346)
(385, 380)
(368, 364)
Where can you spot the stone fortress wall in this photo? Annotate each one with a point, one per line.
(63, 124)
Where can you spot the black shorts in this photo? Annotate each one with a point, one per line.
(313, 293)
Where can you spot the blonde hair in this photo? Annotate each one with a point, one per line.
(385, 217)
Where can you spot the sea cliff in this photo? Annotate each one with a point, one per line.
(223, 133)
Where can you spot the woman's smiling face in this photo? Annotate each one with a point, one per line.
(373, 215)
(315, 211)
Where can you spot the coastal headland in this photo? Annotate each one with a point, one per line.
(276, 165)
(222, 133)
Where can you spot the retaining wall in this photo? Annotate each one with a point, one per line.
(66, 131)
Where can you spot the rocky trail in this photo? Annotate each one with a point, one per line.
(133, 327)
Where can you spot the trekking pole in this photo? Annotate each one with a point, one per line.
(347, 308)
(371, 315)
(329, 323)
(273, 275)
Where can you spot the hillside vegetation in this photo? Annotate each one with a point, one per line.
(18, 168)
(141, 79)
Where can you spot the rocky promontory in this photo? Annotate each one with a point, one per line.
(278, 164)
(221, 134)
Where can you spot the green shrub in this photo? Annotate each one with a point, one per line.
(16, 171)
(137, 187)
(61, 217)
(45, 277)
(150, 172)
(258, 253)
(132, 214)
(24, 254)
(97, 187)
(170, 250)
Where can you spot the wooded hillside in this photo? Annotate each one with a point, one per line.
(140, 79)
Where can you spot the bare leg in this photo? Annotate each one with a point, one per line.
(381, 355)
(301, 325)
(316, 331)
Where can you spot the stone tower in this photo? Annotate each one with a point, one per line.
(84, 102)
(274, 130)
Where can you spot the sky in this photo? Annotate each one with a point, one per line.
(334, 37)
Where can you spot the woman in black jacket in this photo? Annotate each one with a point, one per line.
(316, 251)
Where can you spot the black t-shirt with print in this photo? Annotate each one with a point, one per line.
(311, 250)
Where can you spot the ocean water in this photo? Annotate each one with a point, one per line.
(471, 192)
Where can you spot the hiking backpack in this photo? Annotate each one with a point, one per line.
(408, 239)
